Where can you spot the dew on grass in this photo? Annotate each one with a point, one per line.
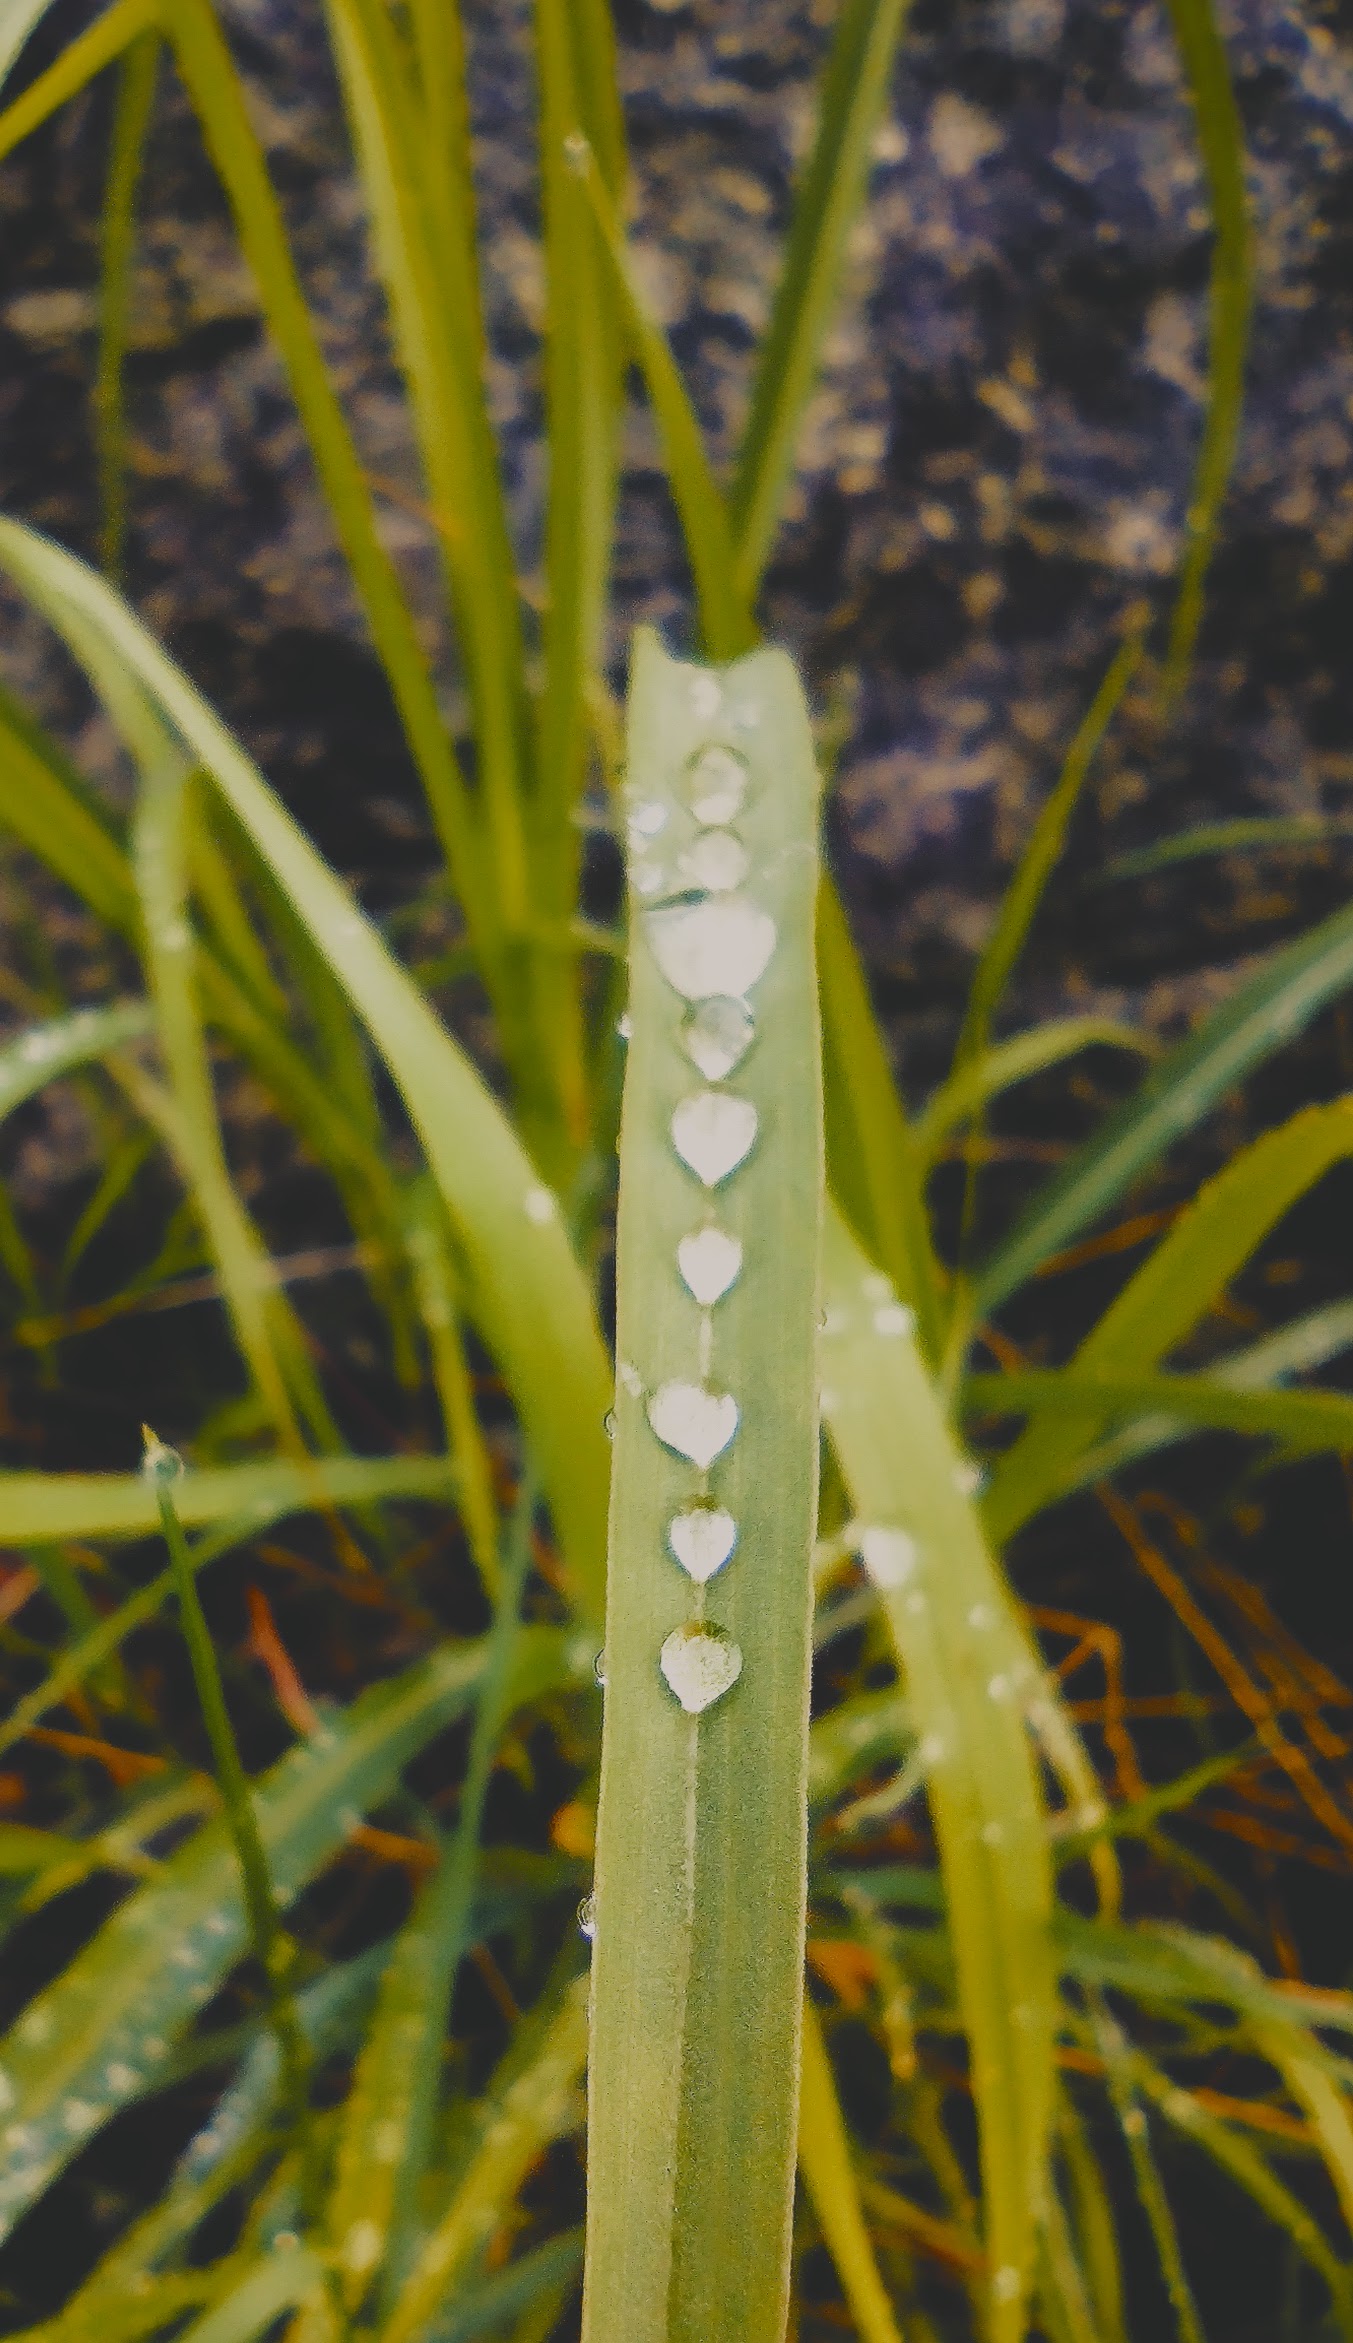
(700, 1663)
(981, 1616)
(716, 785)
(710, 1261)
(713, 1133)
(599, 1669)
(624, 1027)
(706, 693)
(693, 1422)
(78, 2116)
(608, 1423)
(645, 820)
(646, 878)
(629, 1378)
(717, 860)
(1005, 2284)
(719, 945)
(539, 1206)
(718, 1035)
(894, 1318)
(587, 1918)
(702, 1540)
(889, 1555)
(999, 1689)
(362, 2247)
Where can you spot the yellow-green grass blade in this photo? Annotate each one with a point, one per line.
(132, 112)
(99, 2034)
(854, 93)
(208, 71)
(1008, 1063)
(85, 56)
(1304, 1422)
(540, 2102)
(1175, 1287)
(1221, 141)
(446, 399)
(1090, 2207)
(428, 1239)
(255, 2301)
(525, 1290)
(701, 1834)
(45, 1051)
(1113, 2049)
(1266, 1012)
(829, 2176)
(971, 1676)
(43, 802)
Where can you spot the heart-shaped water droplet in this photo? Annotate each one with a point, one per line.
(718, 860)
(716, 784)
(695, 1423)
(700, 1665)
(709, 1261)
(718, 946)
(718, 1036)
(702, 1540)
(646, 817)
(713, 1133)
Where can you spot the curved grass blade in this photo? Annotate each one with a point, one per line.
(999, 1069)
(80, 1038)
(133, 107)
(525, 1289)
(971, 1675)
(280, 2282)
(1259, 834)
(1267, 1011)
(854, 93)
(1202, 53)
(97, 2036)
(1304, 1421)
(1175, 1287)
(107, 38)
(824, 2161)
(44, 802)
(1113, 2049)
(540, 2102)
(700, 1873)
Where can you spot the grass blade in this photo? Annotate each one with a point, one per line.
(997, 1070)
(57, 1047)
(1175, 1287)
(51, 1508)
(107, 38)
(854, 93)
(525, 1289)
(1202, 53)
(700, 1876)
(971, 1674)
(824, 2161)
(132, 112)
(1267, 1011)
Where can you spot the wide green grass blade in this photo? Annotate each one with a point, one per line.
(209, 74)
(1175, 1287)
(824, 2161)
(854, 93)
(1221, 140)
(1266, 1012)
(525, 1289)
(99, 2034)
(701, 1838)
(971, 1676)
(117, 241)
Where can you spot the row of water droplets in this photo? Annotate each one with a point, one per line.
(712, 944)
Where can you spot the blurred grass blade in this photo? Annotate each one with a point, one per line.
(540, 2102)
(971, 1674)
(134, 105)
(1221, 141)
(276, 2284)
(428, 1239)
(1113, 2049)
(824, 2161)
(97, 2036)
(1258, 834)
(213, 85)
(1187, 1272)
(80, 1038)
(1266, 1012)
(1305, 1422)
(44, 802)
(526, 1291)
(700, 1871)
(854, 93)
(49, 1507)
(78, 63)
(999, 1069)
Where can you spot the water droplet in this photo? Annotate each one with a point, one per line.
(981, 1616)
(889, 1555)
(875, 1287)
(121, 2077)
(713, 1133)
(78, 2116)
(709, 1261)
(716, 784)
(718, 860)
(700, 1664)
(599, 1669)
(719, 946)
(718, 1035)
(702, 1540)
(746, 718)
(587, 1918)
(968, 1478)
(539, 1206)
(174, 937)
(993, 1834)
(999, 1688)
(894, 1318)
(608, 1423)
(159, 1463)
(630, 1378)
(646, 878)
(645, 820)
(933, 1749)
(1005, 2284)
(624, 1027)
(828, 1399)
(694, 1423)
(362, 2247)
(706, 695)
